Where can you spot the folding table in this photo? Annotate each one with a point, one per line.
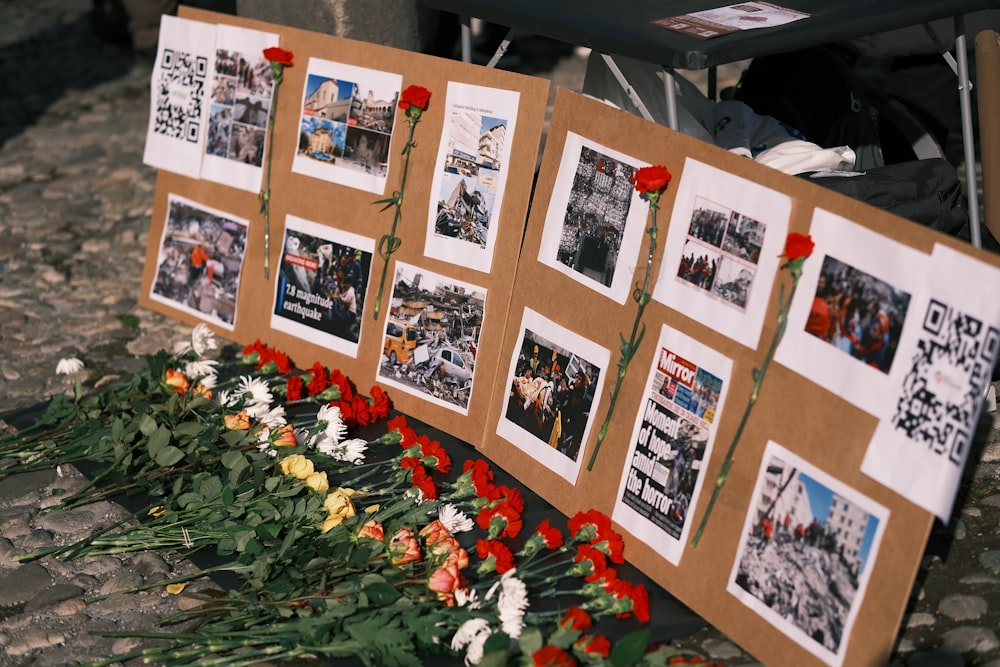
(625, 28)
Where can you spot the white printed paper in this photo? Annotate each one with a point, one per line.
(723, 250)
(470, 177)
(672, 442)
(922, 441)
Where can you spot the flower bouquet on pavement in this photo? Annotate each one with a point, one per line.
(349, 533)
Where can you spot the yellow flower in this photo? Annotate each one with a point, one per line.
(296, 465)
(176, 589)
(338, 506)
(159, 510)
(317, 482)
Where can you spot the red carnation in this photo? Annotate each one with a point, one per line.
(279, 55)
(414, 96)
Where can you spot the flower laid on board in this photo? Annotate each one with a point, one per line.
(346, 538)
(798, 247)
(413, 101)
(279, 59)
(650, 182)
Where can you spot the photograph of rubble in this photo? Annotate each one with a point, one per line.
(808, 544)
(431, 336)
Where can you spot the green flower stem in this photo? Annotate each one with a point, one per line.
(390, 242)
(758, 375)
(629, 348)
(265, 195)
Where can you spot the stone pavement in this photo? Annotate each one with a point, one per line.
(75, 204)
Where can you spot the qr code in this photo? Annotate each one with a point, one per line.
(944, 388)
(180, 95)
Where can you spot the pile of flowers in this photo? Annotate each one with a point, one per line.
(350, 533)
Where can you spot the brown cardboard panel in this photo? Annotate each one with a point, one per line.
(825, 430)
(352, 210)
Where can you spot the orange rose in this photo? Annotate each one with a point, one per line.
(284, 436)
(177, 381)
(238, 422)
(444, 581)
(372, 529)
(404, 547)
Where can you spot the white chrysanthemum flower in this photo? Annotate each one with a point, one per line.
(264, 442)
(472, 635)
(272, 417)
(467, 597)
(512, 603)
(203, 370)
(203, 339)
(255, 390)
(352, 450)
(69, 366)
(335, 428)
(225, 398)
(454, 519)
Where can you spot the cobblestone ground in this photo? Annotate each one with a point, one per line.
(75, 203)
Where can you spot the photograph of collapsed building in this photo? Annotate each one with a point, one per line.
(805, 553)
(200, 260)
(471, 176)
(722, 252)
(241, 101)
(552, 394)
(596, 213)
(431, 336)
(340, 125)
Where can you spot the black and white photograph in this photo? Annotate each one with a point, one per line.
(723, 249)
(431, 336)
(857, 313)
(722, 252)
(348, 115)
(595, 220)
(471, 171)
(553, 388)
(806, 554)
(200, 260)
(671, 441)
(323, 279)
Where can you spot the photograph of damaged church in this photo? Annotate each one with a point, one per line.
(471, 176)
(596, 214)
(806, 546)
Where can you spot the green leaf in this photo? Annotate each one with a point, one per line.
(168, 456)
(531, 640)
(496, 650)
(231, 459)
(381, 593)
(228, 497)
(210, 487)
(147, 425)
(190, 499)
(189, 429)
(629, 649)
(158, 439)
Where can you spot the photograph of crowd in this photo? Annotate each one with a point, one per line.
(552, 394)
(857, 313)
(471, 175)
(806, 548)
(431, 336)
(322, 284)
(596, 214)
(721, 252)
(240, 103)
(200, 260)
(347, 123)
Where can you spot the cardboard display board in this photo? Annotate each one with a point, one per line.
(462, 221)
(814, 542)
(803, 445)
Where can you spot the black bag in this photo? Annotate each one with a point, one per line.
(815, 92)
(924, 191)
